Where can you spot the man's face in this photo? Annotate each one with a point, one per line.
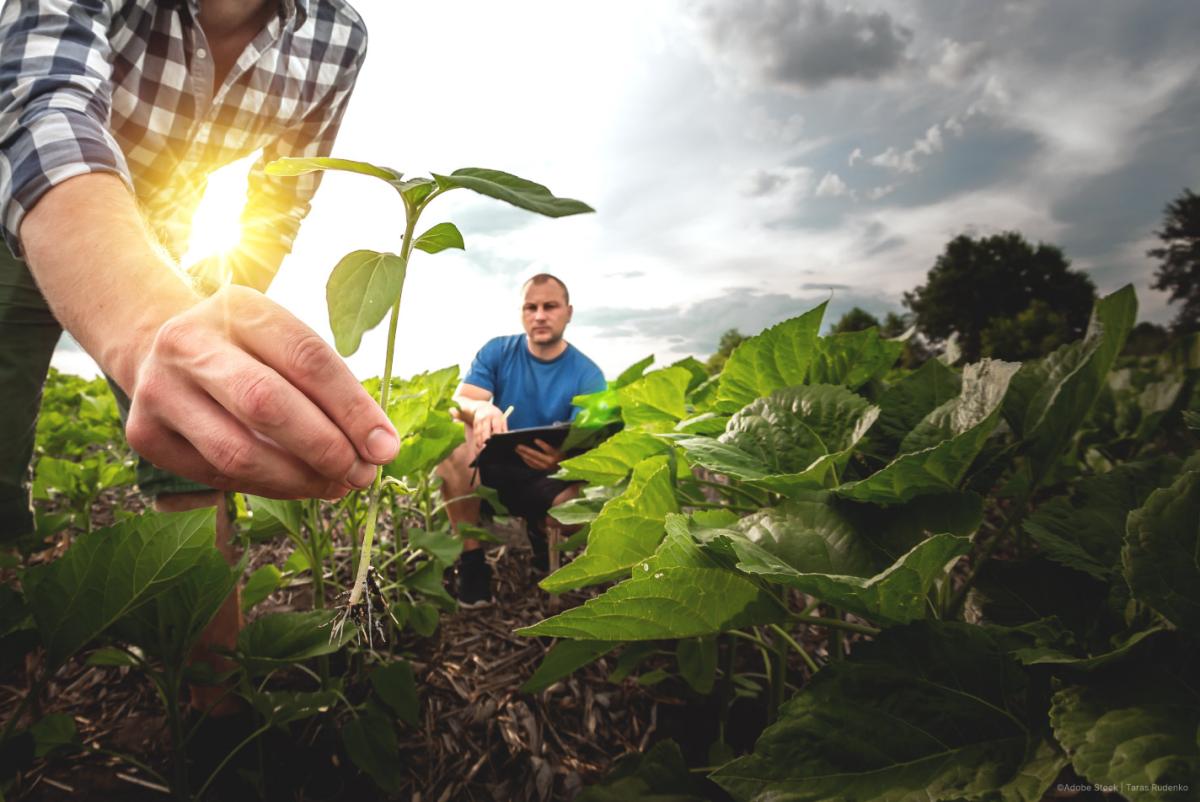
(545, 313)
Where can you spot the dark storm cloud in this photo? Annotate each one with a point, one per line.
(697, 328)
(804, 44)
(1063, 33)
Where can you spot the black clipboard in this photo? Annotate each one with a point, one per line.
(500, 449)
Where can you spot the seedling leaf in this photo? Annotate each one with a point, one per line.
(291, 166)
(439, 238)
(360, 291)
(513, 190)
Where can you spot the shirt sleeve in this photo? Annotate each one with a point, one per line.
(485, 367)
(55, 97)
(593, 380)
(276, 205)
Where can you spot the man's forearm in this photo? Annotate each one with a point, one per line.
(101, 272)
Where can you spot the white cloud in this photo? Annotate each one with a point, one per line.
(957, 61)
(763, 126)
(831, 186)
(909, 161)
(856, 156)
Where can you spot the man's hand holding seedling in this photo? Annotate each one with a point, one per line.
(231, 391)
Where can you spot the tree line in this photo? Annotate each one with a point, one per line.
(1001, 296)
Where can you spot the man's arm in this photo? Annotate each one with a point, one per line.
(231, 391)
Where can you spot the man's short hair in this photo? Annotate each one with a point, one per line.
(542, 278)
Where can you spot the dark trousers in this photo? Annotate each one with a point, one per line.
(29, 333)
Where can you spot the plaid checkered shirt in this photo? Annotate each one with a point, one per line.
(127, 87)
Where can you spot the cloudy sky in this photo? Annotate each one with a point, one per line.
(748, 160)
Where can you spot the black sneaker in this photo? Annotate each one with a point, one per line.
(474, 580)
(541, 548)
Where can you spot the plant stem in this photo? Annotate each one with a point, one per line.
(317, 566)
(385, 386)
(317, 558)
(727, 690)
(960, 596)
(836, 623)
(170, 691)
(804, 655)
(229, 757)
(778, 683)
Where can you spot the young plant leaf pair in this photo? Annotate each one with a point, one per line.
(365, 284)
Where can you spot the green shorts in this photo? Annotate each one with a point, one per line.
(28, 334)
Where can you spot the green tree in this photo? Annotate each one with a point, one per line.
(731, 339)
(1179, 272)
(894, 325)
(1035, 332)
(977, 281)
(857, 319)
(1146, 339)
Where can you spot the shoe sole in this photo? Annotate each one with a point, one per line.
(475, 605)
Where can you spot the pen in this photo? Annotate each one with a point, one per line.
(508, 411)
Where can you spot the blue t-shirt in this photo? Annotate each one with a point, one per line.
(539, 390)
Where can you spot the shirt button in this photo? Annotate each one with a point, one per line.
(201, 53)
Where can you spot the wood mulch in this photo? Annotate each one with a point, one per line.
(481, 738)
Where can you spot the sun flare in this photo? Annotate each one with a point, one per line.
(216, 226)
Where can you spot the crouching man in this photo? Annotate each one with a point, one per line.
(536, 374)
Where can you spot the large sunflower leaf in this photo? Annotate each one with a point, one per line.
(655, 401)
(1162, 546)
(822, 549)
(778, 357)
(895, 595)
(796, 437)
(1085, 529)
(928, 712)
(680, 592)
(613, 460)
(942, 447)
(1134, 726)
(904, 404)
(109, 572)
(628, 530)
(853, 358)
(1050, 397)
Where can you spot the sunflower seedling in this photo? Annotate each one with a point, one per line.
(365, 284)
